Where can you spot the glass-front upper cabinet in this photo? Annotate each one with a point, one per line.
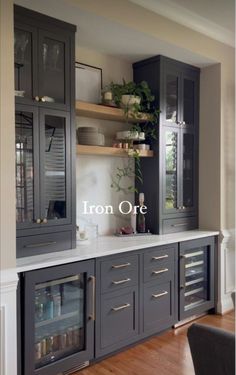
(188, 170)
(54, 69)
(54, 170)
(42, 67)
(196, 272)
(171, 193)
(25, 63)
(172, 112)
(189, 101)
(59, 311)
(27, 167)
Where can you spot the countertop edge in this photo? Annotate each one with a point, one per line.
(84, 252)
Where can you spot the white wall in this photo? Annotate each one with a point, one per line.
(94, 173)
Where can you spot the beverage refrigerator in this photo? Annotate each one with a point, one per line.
(56, 319)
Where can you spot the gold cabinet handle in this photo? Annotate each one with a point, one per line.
(40, 244)
(159, 294)
(121, 281)
(160, 257)
(160, 271)
(93, 280)
(120, 265)
(122, 307)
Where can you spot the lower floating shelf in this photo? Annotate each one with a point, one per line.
(110, 151)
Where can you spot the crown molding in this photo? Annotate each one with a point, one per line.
(189, 19)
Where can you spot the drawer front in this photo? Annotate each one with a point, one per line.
(43, 243)
(158, 306)
(179, 225)
(119, 273)
(159, 256)
(119, 320)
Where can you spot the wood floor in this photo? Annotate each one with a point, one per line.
(167, 354)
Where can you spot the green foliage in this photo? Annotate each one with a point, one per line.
(134, 112)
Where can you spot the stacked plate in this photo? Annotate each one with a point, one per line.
(88, 135)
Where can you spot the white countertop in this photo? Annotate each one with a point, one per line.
(106, 245)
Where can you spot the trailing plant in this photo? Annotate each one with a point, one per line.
(149, 127)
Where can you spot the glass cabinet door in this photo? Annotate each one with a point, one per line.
(27, 168)
(172, 98)
(59, 317)
(171, 170)
(53, 69)
(188, 168)
(189, 101)
(25, 63)
(55, 173)
(196, 271)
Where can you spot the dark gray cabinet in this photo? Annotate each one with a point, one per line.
(45, 133)
(171, 177)
(58, 311)
(117, 303)
(159, 289)
(43, 49)
(196, 276)
(136, 296)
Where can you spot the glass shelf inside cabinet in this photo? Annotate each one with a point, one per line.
(196, 288)
(59, 319)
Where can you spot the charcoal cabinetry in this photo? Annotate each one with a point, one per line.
(44, 123)
(136, 297)
(171, 177)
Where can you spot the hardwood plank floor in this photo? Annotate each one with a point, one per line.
(167, 354)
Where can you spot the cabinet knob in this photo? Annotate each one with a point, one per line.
(37, 98)
(44, 221)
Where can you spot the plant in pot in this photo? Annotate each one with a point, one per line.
(135, 99)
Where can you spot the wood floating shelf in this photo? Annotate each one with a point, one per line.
(103, 112)
(110, 151)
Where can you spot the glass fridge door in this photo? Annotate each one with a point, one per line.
(59, 315)
(59, 319)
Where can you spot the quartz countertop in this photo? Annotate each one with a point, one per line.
(106, 245)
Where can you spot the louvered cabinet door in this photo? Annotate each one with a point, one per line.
(55, 174)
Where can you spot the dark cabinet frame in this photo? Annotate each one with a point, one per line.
(28, 287)
(210, 260)
(158, 219)
(40, 25)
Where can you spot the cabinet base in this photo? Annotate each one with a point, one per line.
(188, 320)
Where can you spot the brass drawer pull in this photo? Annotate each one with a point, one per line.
(160, 294)
(121, 281)
(160, 257)
(179, 225)
(122, 307)
(40, 244)
(161, 271)
(120, 265)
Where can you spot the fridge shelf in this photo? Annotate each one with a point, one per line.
(194, 264)
(56, 319)
(193, 304)
(194, 291)
(196, 281)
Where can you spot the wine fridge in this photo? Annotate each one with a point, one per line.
(196, 275)
(58, 318)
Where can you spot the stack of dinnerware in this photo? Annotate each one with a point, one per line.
(88, 135)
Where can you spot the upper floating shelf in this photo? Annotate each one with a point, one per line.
(105, 112)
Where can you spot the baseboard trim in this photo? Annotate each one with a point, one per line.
(226, 305)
